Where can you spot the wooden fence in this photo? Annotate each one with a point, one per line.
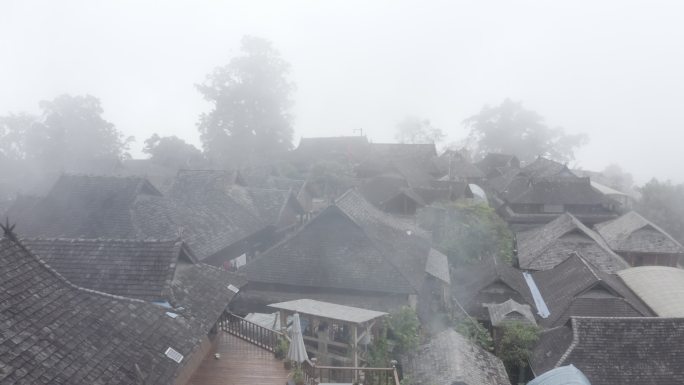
(249, 331)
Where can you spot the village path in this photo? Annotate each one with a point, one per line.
(241, 363)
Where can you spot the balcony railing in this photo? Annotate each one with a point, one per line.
(249, 331)
(315, 374)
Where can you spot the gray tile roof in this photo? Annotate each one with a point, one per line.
(617, 351)
(489, 281)
(54, 332)
(633, 233)
(350, 245)
(557, 191)
(510, 310)
(129, 268)
(660, 287)
(158, 271)
(577, 288)
(548, 245)
(83, 206)
(546, 168)
(449, 358)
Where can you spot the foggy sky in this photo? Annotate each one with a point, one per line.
(611, 69)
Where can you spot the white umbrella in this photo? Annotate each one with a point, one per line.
(297, 351)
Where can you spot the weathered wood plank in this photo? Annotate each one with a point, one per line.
(241, 363)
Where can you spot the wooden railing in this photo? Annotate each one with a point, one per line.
(336, 374)
(249, 331)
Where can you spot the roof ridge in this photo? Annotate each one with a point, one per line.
(587, 264)
(573, 344)
(63, 279)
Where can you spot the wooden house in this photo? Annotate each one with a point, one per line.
(576, 288)
(640, 242)
(351, 254)
(549, 245)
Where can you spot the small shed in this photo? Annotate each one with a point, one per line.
(333, 333)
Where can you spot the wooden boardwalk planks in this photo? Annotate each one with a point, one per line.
(241, 363)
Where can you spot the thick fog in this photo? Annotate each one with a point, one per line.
(611, 69)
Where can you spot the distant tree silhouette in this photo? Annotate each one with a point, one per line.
(173, 152)
(511, 129)
(251, 98)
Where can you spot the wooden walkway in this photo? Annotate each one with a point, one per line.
(241, 363)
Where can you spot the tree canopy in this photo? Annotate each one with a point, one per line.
(511, 129)
(663, 204)
(251, 97)
(71, 131)
(415, 130)
(173, 152)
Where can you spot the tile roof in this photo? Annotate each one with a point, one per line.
(547, 246)
(660, 287)
(489, 281)
(617, 351)
(633, 233)
(350, 245)
(510, 310)
(156, 271)
(353, 148)
(550, 347)
(449, 358)
(493, 162)
(54, 332)
(425, 151)
(577, 288)
(215, 211)
(546, 168)
(129, 268)
(557, 191)
(84, 206)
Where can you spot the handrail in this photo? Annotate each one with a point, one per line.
(249, 331)
(349, 374)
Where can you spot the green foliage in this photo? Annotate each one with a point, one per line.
(415, 130)
(469, 232)
(297, 375)
(516, 343)
(378, 354)
(511, 129)
(173, 152)
(475, 332)
(404, 327)
(251, 96)
(663, 204)
(281, 348)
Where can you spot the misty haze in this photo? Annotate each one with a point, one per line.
(341, 192)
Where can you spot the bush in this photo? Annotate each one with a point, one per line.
(475, 332)
(405, 329)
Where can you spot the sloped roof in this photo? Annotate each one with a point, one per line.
(84, 206)
(381, 188)
(158, 271)
(270, 204)
(329, 310)
(617, 351)
(129, 268)
(470, 283)
(354, 148)
(350, 245)
(577, 288)
(493, 162)
(449, 358)
(510, 310)
(423, 151)
(547, 246)
(214, 210)
(557, 191)
(56, 332)
(546, 168)
(633, 233)
(660, 287)
(550, 347)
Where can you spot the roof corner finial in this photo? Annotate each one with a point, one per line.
(8, 230)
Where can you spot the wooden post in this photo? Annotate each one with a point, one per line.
(355, 351)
